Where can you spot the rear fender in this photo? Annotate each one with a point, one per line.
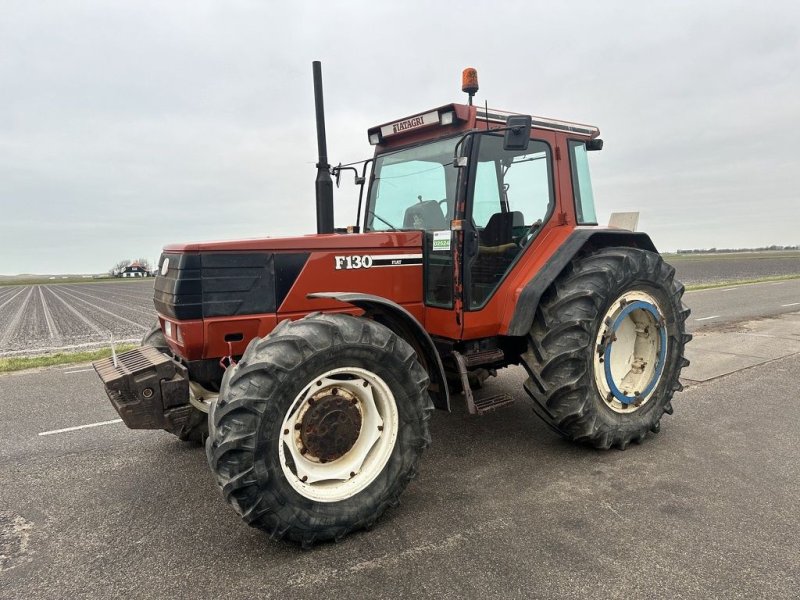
(579, 242)
(399, 320)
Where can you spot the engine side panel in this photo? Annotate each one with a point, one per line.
(218, 301)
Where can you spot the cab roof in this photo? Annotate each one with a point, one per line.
(463, 117)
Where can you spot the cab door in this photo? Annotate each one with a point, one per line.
(511, 200)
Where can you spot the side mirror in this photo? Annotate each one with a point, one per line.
(595, 144)
(518, 133)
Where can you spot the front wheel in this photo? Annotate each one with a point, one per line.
(606, 347)
(320, 427)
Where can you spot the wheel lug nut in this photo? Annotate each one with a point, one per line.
(380, 427)
(334, 392)
(352, 473)
(304, 478)
(285, 432)
(297, 426)
(303, 450)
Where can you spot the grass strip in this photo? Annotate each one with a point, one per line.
(8, 365)
(720, 284)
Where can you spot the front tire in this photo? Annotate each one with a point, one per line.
(155, 337)
(606, 348)
(320, 427)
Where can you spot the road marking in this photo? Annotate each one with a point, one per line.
(777, 283)
(66, 429)
(791, 304)
(707, 318)
(78, 371)
(729, 289)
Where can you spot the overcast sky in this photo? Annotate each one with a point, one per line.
(128, 125)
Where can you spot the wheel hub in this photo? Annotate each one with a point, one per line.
(330, 426)
(631, 351)
(338, 434)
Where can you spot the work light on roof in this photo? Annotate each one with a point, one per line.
(469, 82)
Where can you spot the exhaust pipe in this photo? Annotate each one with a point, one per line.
(324, 184)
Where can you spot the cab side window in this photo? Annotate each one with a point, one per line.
(581, 184)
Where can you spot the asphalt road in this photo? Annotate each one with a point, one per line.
(502, 507)
(718, 306)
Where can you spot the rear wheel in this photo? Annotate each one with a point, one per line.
(605, 350)
(320, 427)
(195, 428)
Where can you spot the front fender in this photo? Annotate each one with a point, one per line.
(403, 323)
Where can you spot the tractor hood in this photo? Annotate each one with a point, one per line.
(307, 243)
(248, 277)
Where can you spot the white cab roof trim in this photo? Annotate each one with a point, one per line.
(500, 116)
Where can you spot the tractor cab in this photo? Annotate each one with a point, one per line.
(480, 194)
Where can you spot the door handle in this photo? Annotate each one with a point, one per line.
(472, 243)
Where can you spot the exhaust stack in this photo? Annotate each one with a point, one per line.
(324, 184)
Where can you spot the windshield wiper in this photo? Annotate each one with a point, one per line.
(383, 221)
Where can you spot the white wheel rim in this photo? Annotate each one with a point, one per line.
(630, 352)
(350, 473)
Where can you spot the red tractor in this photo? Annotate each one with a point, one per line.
(309, 365)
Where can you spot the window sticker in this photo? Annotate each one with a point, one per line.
(441, 241)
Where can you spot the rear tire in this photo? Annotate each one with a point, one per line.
(320, 427)
(195, 429)
(606, 348)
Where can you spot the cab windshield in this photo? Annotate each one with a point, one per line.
(414, 188)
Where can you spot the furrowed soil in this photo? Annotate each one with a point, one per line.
(41, 319)
(699, 269)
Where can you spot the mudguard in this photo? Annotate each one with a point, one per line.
(403, 323)
(579, 241)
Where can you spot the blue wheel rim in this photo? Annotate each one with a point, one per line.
(660, 355)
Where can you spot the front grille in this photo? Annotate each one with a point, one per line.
(220, 284)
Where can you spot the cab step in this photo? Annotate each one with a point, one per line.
(490, 403)
(479, 406)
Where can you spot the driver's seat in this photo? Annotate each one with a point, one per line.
(499, 229)
(426, 215)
